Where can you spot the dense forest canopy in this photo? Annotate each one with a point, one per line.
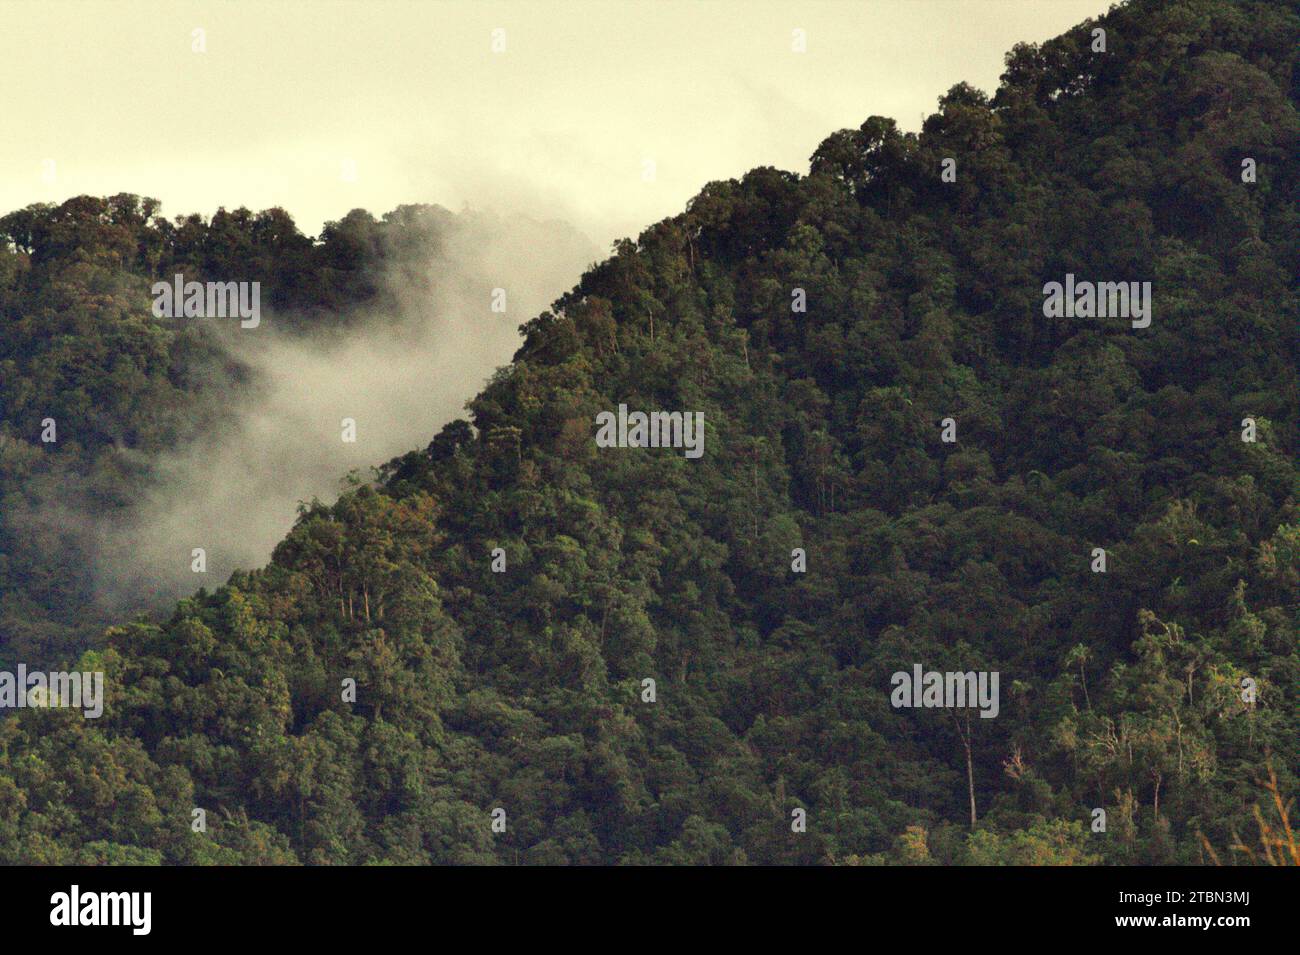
(81, 348)
(515, 693)
(123, 437)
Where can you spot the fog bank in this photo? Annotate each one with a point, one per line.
(234, 490)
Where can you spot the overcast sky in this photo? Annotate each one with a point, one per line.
(558, 125)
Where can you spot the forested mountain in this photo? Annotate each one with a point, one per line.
(80, 347)
(515, 693)
(111, 417)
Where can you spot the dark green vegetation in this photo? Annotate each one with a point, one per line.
(522, 690)
(79, 345)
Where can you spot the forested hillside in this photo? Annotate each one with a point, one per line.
(111, 416)
(521, 687)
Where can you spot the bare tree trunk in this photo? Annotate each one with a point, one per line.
(970, 776)
(970, 763)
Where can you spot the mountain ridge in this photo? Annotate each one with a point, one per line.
(523, 689)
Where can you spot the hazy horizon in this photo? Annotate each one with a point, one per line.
(441, 118)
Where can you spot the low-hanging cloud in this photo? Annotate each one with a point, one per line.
(234, 489)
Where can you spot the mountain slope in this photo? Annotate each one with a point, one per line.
(522, 689)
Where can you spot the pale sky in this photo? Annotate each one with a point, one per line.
(558, 125)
